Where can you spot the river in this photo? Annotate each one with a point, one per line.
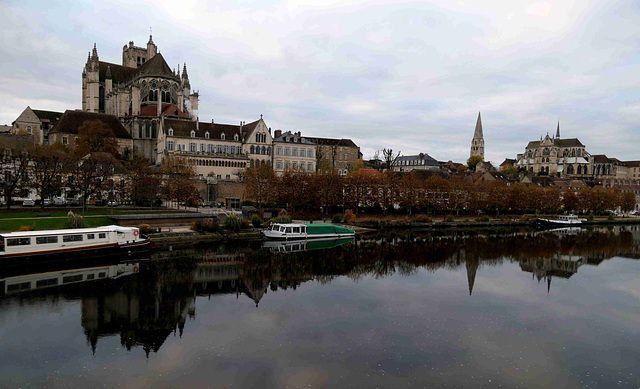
(404, 309)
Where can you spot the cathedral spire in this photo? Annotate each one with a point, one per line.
(184, 71)
(558, 130)
(478, 132)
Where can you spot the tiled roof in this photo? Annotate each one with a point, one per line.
(289, 137)
(601, 158)
(508, 161)
(333, 142)
(51, 116)
(632, 163)
(72, 120)
(156, 66)
(183, 128)
(573, 142)
(428, 160)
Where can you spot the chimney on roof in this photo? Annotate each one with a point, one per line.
(277, 133)
(269, 130)
(211, 121)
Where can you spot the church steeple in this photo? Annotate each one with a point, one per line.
(472, 268)
(558, 131)
(477, 143)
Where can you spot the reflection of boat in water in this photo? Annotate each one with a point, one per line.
(305, 245)
(296, 231)
(562, 220)
(561, 231)
(48, 279)
(47, 243)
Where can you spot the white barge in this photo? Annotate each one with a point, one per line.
(562, 221)
(112, 239)
(295, 231)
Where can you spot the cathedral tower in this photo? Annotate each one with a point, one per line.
(477, 143)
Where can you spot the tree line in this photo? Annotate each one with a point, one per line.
(409, 193)
(92, 169)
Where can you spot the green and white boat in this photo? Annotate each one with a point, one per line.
(295, 231)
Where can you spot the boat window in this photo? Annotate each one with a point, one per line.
(20, 286)
(102, 274)
(47, 282)
(303, 229)
(296, 230)
(71, 238)
(91, 276)
(18, 241)
(46, 239)
(102, 235)
(288, 230)
(74, 278)
(91, 236)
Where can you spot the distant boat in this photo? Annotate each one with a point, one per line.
(561, 221)
(307, 231)
(32, 244)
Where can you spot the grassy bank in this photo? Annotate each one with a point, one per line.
(50, 223)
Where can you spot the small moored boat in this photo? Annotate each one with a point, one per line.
(562, 220)
(43, 243)
(307, 231)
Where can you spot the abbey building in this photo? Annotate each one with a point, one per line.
(139, 92)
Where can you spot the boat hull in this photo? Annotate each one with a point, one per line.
(77, 252)
(558, 223)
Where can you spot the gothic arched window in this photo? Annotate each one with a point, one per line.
(252, 149)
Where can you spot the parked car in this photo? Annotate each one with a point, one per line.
(99, 203)
(74, 203)
(113, 203)
(46, 202)
(28, 203)
(59, 201)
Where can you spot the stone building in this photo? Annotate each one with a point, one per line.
(293, 151)
(215, 150)
(66, 131)
(139, 92)
(37, 123)
(257, 142)
(422, 161)
(477, 143)
(554, 156)
(342, 154)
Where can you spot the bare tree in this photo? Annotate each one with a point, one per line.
(389, 158)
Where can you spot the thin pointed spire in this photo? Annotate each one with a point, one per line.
(478, 132)
(558, 130)
(184, 71)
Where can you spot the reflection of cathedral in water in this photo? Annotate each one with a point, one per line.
(145, 309)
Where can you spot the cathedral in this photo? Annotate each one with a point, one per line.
(139, 92)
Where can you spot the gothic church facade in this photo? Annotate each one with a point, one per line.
(139, 92)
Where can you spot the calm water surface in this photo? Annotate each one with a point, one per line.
(483, 308)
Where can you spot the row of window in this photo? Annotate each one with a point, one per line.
(206, 135)
(205, 148)
(261, 137)
(294, 152)
(52, 239)
(260, 150)
(294, 165)
(150, 130)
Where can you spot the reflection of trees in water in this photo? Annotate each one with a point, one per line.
(146, 308)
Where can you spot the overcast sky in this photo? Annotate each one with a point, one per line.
(410, 76)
